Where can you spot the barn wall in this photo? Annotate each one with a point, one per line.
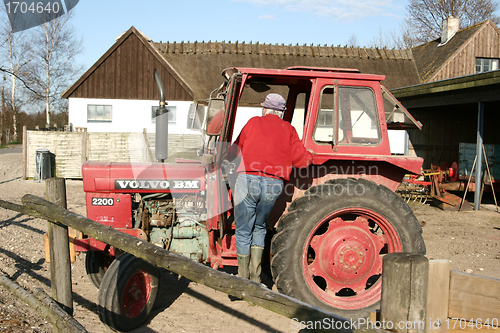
(485, 44)
(448, 126)
(127, 73)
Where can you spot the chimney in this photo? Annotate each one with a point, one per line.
(450, 28)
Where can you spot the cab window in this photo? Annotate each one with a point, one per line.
(357, 116)
(299, 113)
(348, 114)
(323, 131)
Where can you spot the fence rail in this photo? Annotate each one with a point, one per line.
(250, 291)
(46, 307)
(428, 291)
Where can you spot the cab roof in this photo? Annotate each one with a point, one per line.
(305, 71)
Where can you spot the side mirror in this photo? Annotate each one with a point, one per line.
(214, 106)
(196, 116)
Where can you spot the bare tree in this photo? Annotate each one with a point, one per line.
(54, 48)
(353, 41)
(382, 40)
(402, 38)
(2, 111)
(426, 16)
(14, 49)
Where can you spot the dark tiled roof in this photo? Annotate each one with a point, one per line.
(430, 57)
(197, 66)
(201, 64)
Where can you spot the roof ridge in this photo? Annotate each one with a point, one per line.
(472, 26)
(281, 49)
(437, 40)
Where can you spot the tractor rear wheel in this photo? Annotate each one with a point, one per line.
(127, 293)
(329, 247)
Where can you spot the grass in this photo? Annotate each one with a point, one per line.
(7, 145)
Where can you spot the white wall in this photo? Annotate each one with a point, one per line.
(135, 115)
(243, 115)
(127, 116)
(398, 141)
(397, 138)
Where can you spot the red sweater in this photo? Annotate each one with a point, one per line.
(270, 147)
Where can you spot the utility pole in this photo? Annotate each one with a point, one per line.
(479, 154)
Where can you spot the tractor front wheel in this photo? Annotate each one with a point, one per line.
(329, 247)
(96, 264)
(127, 292)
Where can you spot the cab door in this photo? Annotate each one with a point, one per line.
(346, 118)
(219, 195)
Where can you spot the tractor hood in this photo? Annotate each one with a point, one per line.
(125, 177)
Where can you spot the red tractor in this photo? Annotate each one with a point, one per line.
(329, 230)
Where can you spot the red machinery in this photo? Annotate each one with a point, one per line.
(436, 184)
(331, 227)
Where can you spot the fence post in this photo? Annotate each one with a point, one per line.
(404, 292)
(60, 265)
(25, 152)
(438, 294)
(84, 145)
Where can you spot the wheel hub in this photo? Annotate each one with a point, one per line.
(346, 253)
(136, 294)
(343, 258)
(350, 258)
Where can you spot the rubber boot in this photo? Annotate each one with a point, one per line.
(255, 263)
(243, 262)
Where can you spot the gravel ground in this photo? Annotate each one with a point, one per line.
(470, 240)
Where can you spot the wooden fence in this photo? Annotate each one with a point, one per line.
(428, 297)
(70, 149)
(417, 295)
(45, 306)
(244, 289)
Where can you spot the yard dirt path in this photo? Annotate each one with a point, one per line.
(470, 240)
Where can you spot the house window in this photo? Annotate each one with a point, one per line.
(172, 110)
(99, 113)
(486, 64)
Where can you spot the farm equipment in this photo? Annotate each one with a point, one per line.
(433, 184)
(329, 230)
(437, 183)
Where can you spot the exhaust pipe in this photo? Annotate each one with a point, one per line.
(161, 116)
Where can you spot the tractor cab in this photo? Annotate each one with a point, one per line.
(336, 112)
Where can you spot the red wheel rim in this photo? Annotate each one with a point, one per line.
(136, 294)
(342, 258)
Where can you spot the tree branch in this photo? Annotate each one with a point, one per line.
(20, 79)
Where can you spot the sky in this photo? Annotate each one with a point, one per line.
(331, 22)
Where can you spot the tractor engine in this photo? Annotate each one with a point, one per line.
(163, 203)
(176, 223)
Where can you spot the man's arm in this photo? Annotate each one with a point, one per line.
(301, 157)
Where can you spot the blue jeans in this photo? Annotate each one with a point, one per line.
(254, 198)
